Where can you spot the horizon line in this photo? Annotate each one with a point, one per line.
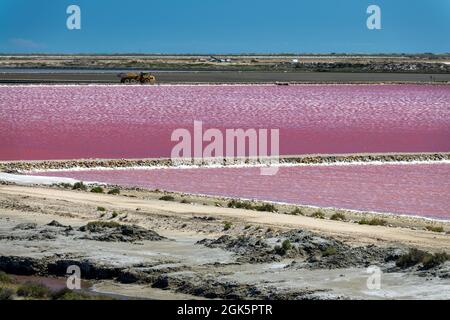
(225, 54)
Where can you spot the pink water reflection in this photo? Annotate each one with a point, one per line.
(65, 122)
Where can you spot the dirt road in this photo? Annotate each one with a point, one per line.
(349, 232)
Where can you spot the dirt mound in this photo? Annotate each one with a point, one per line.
(116, 232)
(241, 245)
(314, 251)
(326, 252)
(34, 232)
(249, 249)
(311, 243)
(55, 223)
(25, 226)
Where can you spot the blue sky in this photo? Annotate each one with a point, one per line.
(219, 26)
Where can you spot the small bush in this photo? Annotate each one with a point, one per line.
(240, 204)
(66, 185)
(5, 278)
(227, 226)
(114, 215)
(167, 198)
(338, 216)
(94, 226)
(244, 205)
(435, 228)
(428, 260)
(184, 201)
(413, 257)
(296, 212)
(286, 245)
(435, 260)
(114, 191)
(97, 189)
(329, 251)
(79, 186)
(247, 227)
(101, 209)
(232, 204)
(33, 290)
(267, 207)
(6, 294)
(66, 294)
(284, 248)
(318, 214)
(373, 222)
(279, 250)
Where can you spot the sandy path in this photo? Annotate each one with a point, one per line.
(347, 231)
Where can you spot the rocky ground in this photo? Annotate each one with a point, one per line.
(133, 244)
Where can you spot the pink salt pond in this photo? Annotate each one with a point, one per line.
(412, 189)
(96, 121)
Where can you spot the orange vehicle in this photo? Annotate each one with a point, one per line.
(133, 78)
